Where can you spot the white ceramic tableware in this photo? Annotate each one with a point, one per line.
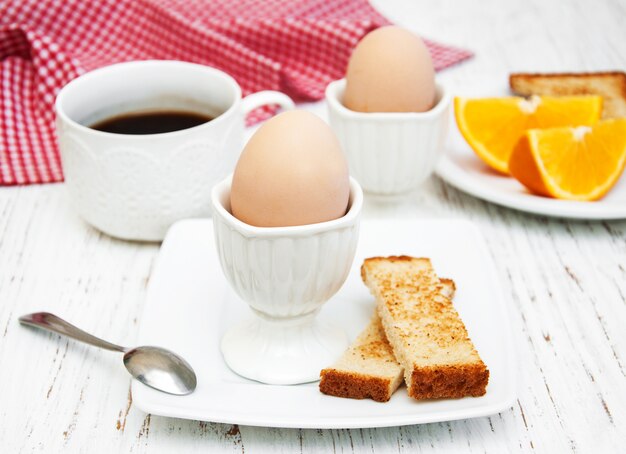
(285, 274)
(135, 186)
(388, 152)
(187, 271)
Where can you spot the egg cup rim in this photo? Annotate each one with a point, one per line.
(348, 219)
(332, 98)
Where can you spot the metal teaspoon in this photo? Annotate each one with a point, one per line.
(156, 367)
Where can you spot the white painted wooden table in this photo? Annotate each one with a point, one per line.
(565, 284)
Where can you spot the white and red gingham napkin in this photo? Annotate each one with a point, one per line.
(295, 46)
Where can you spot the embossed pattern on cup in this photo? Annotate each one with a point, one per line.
(286, 277)
(133, 192)
(389, 153)
(285, 272)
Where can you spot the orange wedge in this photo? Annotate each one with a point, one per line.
(493, 126)
(580, 163)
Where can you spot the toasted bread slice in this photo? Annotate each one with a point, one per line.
(610, 85)
(368, 369)
(425, 331)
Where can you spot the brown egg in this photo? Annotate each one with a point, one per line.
(291, 172)
(390, 70)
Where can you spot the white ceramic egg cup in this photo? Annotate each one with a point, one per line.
(389, 152)
(285, 274)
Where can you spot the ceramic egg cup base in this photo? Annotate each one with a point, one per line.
(285, 351)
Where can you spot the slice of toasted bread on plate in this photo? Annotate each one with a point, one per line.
(427, 336)
(368, 369)
(610, 85)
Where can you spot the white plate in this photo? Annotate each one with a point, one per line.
(189, 307)
(461, 168)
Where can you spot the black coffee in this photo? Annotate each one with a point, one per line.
(155, 122)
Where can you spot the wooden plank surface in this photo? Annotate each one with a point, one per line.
(565, 285)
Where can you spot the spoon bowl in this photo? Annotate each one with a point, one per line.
(161, 369)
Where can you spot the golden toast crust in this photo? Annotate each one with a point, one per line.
(341, 383)
(453, 381)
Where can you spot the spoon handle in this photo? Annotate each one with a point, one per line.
(50, 322)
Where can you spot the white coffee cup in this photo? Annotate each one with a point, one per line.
(135, 186)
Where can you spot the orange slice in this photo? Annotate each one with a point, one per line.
(493, 126)
(580, 163)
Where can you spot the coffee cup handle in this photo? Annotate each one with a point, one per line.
(264, 98)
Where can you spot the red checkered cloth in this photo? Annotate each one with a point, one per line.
(295, 46)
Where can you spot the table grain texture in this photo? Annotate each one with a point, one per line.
(564, 284)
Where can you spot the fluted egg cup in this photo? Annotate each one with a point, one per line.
(285, 275)
(389, 152)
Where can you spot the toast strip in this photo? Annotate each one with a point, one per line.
(368, 369)
(425, 331)
(610, 85)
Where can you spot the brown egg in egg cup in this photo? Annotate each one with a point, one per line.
(389, 152)
(285, 275)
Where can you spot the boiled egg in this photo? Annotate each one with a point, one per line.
(291, 172)
(390, 70)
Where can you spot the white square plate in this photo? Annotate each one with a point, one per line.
(190, 305)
